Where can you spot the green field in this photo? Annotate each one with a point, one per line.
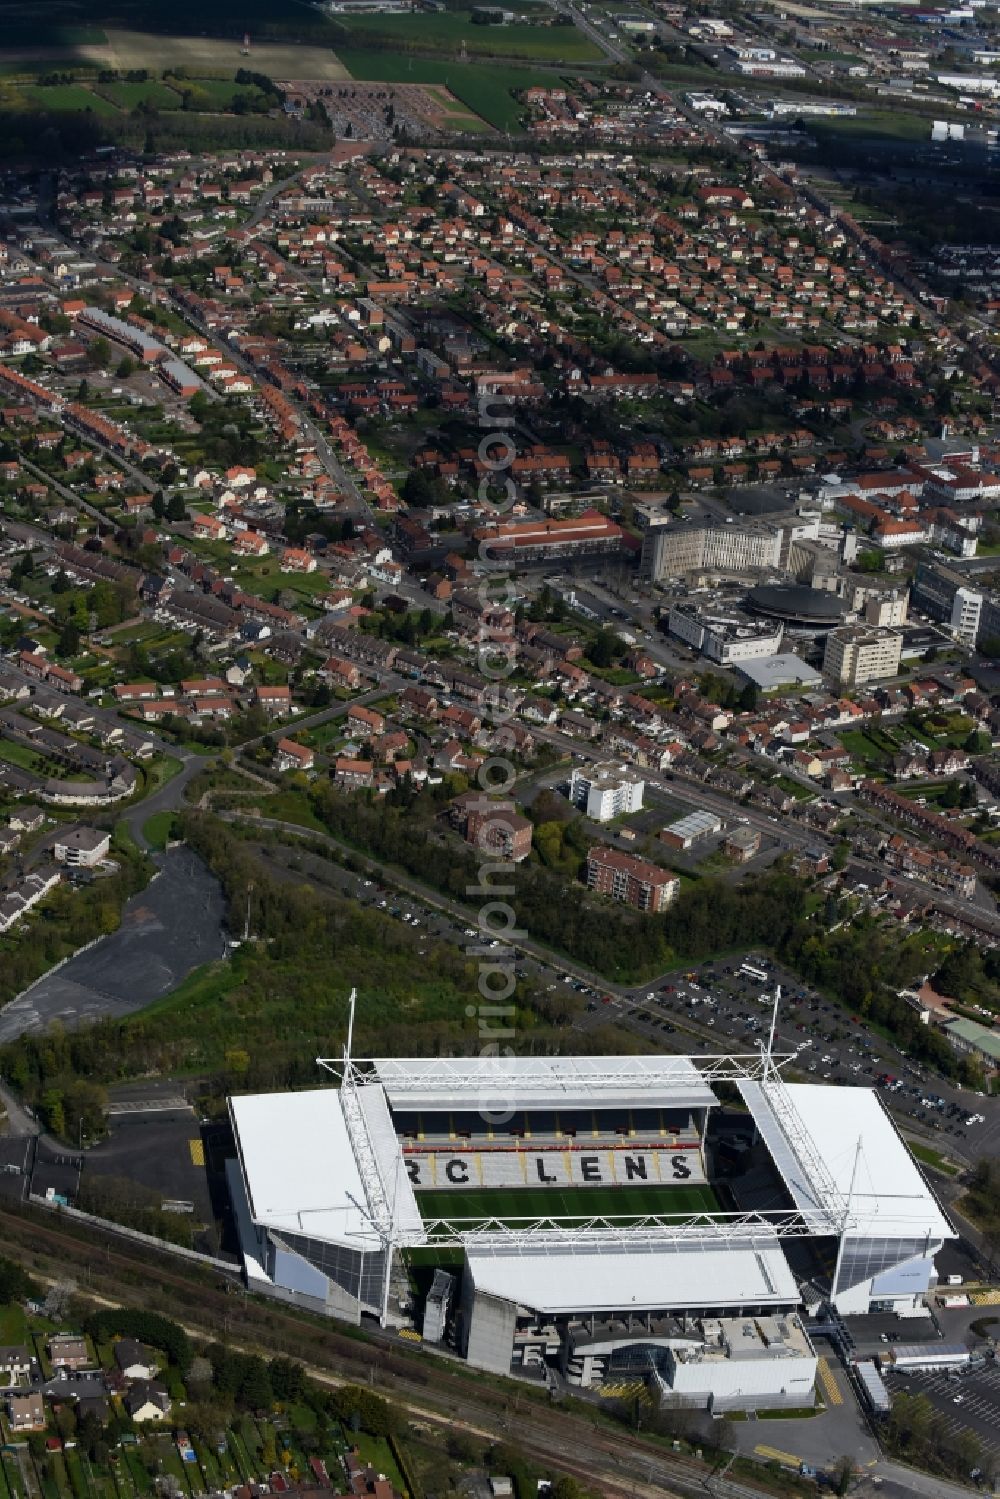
(510, 1203)
(447, 31)
(488, 91)
(215, 93)
(130, 95)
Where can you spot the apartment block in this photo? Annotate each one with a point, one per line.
(633, 881)
(856, 654)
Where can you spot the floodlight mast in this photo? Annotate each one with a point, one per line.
(769, 1054)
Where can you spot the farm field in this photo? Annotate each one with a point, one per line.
(203, 57)
(510, 1203)
(487, 91)
(448, 31)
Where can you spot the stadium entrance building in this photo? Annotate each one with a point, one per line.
(604, 1216)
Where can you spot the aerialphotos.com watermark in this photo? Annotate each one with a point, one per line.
(496, 776)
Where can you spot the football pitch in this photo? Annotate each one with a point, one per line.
(511, 1203)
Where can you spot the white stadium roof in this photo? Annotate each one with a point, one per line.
(890, 1198)
(607, 1280)
(496, 1084)
(300, 1167)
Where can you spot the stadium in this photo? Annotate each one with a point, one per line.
(594, 1217)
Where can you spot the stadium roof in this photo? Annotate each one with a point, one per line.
(300, 1167)
(604, 1280)
(890, 1198)
(497, 1084)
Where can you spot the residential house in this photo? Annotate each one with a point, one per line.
(147, 1401)
(292, 756)
(26, 1412)
(134, 1360)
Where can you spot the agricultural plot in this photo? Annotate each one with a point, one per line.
(448, 32)
(210, 57)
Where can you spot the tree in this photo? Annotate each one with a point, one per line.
(255, 1390)
(126, 367)
(604, 648)
(176, 508)
(158, 505)
(68, 643)
(100, 354)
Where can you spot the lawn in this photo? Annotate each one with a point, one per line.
(876, 124)
(488, 91)
(377, 1452)
(216, 93)
(68, 96)
(19, 754)
(509, 1203)
(13, 1325)
(446, 31)
(865, 749)
(931, 1157)
(156, 829)
(206, 985)
(158, 771)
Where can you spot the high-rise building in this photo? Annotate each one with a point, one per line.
(856, 654)
(606, 790)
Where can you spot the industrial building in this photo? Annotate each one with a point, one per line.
(688, 830)
(614, 1218)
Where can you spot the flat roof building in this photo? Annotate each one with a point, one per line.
(606, 790)
(856, 654)
(688, 830)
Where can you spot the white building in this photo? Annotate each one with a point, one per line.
(741, 1363)
(966, 612)
(82, 848)
(333, 1187)
(726, 639)
(606, 790)
(856, 654)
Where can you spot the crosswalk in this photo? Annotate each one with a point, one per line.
(775, 1455)
(828, 1383)
(629, 1389)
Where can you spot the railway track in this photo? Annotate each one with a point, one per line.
(497, 1411)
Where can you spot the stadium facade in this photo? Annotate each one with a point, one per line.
(605, 1217)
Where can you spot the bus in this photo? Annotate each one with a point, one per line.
(757, 974)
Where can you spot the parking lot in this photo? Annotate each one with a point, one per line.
(719, 1006)
(967, 1401)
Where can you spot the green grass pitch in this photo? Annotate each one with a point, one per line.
(510, 1203)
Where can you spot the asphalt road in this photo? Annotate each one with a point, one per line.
(168, 929)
